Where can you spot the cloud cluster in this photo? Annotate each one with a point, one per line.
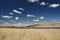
(14, 24)
(39, 18)
(17, 24)
(54, 5)
(28, 15)
(12, 14)
(16, 11)
(50, 5)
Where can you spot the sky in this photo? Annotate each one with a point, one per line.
(27, 12)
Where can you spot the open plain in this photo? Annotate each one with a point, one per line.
(29, 34)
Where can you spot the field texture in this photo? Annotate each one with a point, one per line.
(29, 34)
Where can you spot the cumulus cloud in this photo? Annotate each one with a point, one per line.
(5, 16)
(54, 5)
(36, 20)
(11, 13)
(21, 9)
(43, 3)
(18, 12)
(42, 17)
(30, 15)
(33, 1)
(16, 18)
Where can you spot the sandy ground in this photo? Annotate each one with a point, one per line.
(29, 34)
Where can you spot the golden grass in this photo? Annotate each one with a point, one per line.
(29, 34)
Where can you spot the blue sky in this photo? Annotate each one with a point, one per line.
(25, 12)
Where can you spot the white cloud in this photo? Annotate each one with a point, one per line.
(17, 24)
(43, 3)
(21, 9)
(18, 12)
(6, 16)
(42, 17)
(20, 24)
(36, 20)
(30, 15)
(14, 23)
(54, 5)
(10, 24)
(11, 13)
(16, 18)
(33, 1)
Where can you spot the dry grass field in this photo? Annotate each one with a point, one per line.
(29, 34)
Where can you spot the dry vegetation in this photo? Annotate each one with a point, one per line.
(29, 34)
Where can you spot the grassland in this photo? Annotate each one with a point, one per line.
(29, 34)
